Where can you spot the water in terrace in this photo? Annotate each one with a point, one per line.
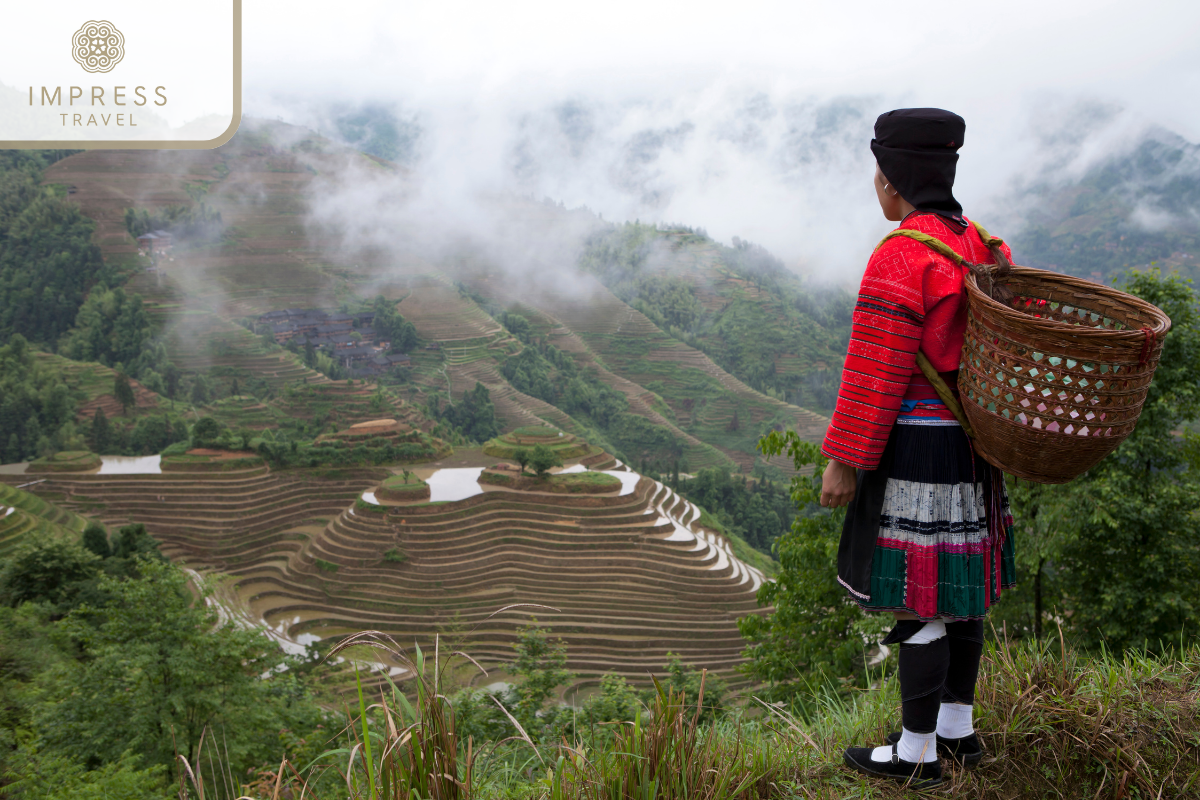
(454, 483)
(370, 497)
(130, 465)
(229, 608)
(704, 540)
(628, 480)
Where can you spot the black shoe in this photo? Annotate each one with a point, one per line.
(918, 776)
(966, 752)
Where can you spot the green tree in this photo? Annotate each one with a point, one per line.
(200, 391)
(518, 326)
(541, 666)
(153, 434)
(95, 539)
(474, 414)
(160, 669)
(112, 327)
(134, 541)
(521, 456)
(48, 261)
(616, 701)
(171, 379)
(542, 459)
(814, 635)
(101, 431)
(394, 328)
(53, 775)
(206, 431)
(761, 523)
(37, 410)
(47, 569)
(123, 391)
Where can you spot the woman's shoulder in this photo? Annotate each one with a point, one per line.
(914, 253)
(964, 240)
(908, 253)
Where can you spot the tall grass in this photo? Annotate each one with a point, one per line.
(416, 751)
(1055, 723)
(664, 754)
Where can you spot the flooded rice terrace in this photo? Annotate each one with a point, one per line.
(130, 465)
(454, 483)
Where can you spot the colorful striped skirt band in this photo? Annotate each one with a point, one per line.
(929, 532)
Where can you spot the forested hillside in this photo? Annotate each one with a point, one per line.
(739, 305)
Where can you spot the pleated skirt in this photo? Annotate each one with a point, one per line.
(934, 523)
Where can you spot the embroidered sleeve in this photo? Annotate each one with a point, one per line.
(885, 335)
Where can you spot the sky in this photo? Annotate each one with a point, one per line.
(750, 118)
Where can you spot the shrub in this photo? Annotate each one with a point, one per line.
(542, 459)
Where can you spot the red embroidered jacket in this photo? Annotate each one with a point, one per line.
(911, 298)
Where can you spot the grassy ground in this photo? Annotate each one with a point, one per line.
(399, 483)
(1054, 724)
(66, 461)
(570, 483)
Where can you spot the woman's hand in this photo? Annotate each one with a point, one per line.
(838, 484)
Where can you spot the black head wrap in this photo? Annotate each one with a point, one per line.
(917, 151)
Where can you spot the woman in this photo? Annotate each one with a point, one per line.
(926, 530)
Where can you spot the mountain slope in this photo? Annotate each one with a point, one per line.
(1136, 208)
(270, 258)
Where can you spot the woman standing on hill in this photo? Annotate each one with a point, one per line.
(926, 531)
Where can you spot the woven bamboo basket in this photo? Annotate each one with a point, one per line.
(1053, 382)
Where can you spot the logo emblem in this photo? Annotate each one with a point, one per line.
(98, 46)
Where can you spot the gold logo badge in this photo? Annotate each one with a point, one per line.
(98, 46)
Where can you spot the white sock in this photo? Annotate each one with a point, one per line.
(916, 747)
(954, 721)
(882, 753)
(931, 632)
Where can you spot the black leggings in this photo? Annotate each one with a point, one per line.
(943, 671)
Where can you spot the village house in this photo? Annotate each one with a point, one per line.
(154, 241)
(351, 339)
(283, 331)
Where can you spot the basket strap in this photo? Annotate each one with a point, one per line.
(943, 391)
(988, 239)
(931, 374)
(923, 362)
(926, 239)
(943, 248)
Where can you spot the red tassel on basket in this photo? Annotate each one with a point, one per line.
(1147, 346)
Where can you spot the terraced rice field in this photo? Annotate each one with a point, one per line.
(347, 404)
(631, 580)
(216, 519)
(634, 356)
(269, 259)
(632, 574)
(263, 184)
(24, 514)
(92, 385)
